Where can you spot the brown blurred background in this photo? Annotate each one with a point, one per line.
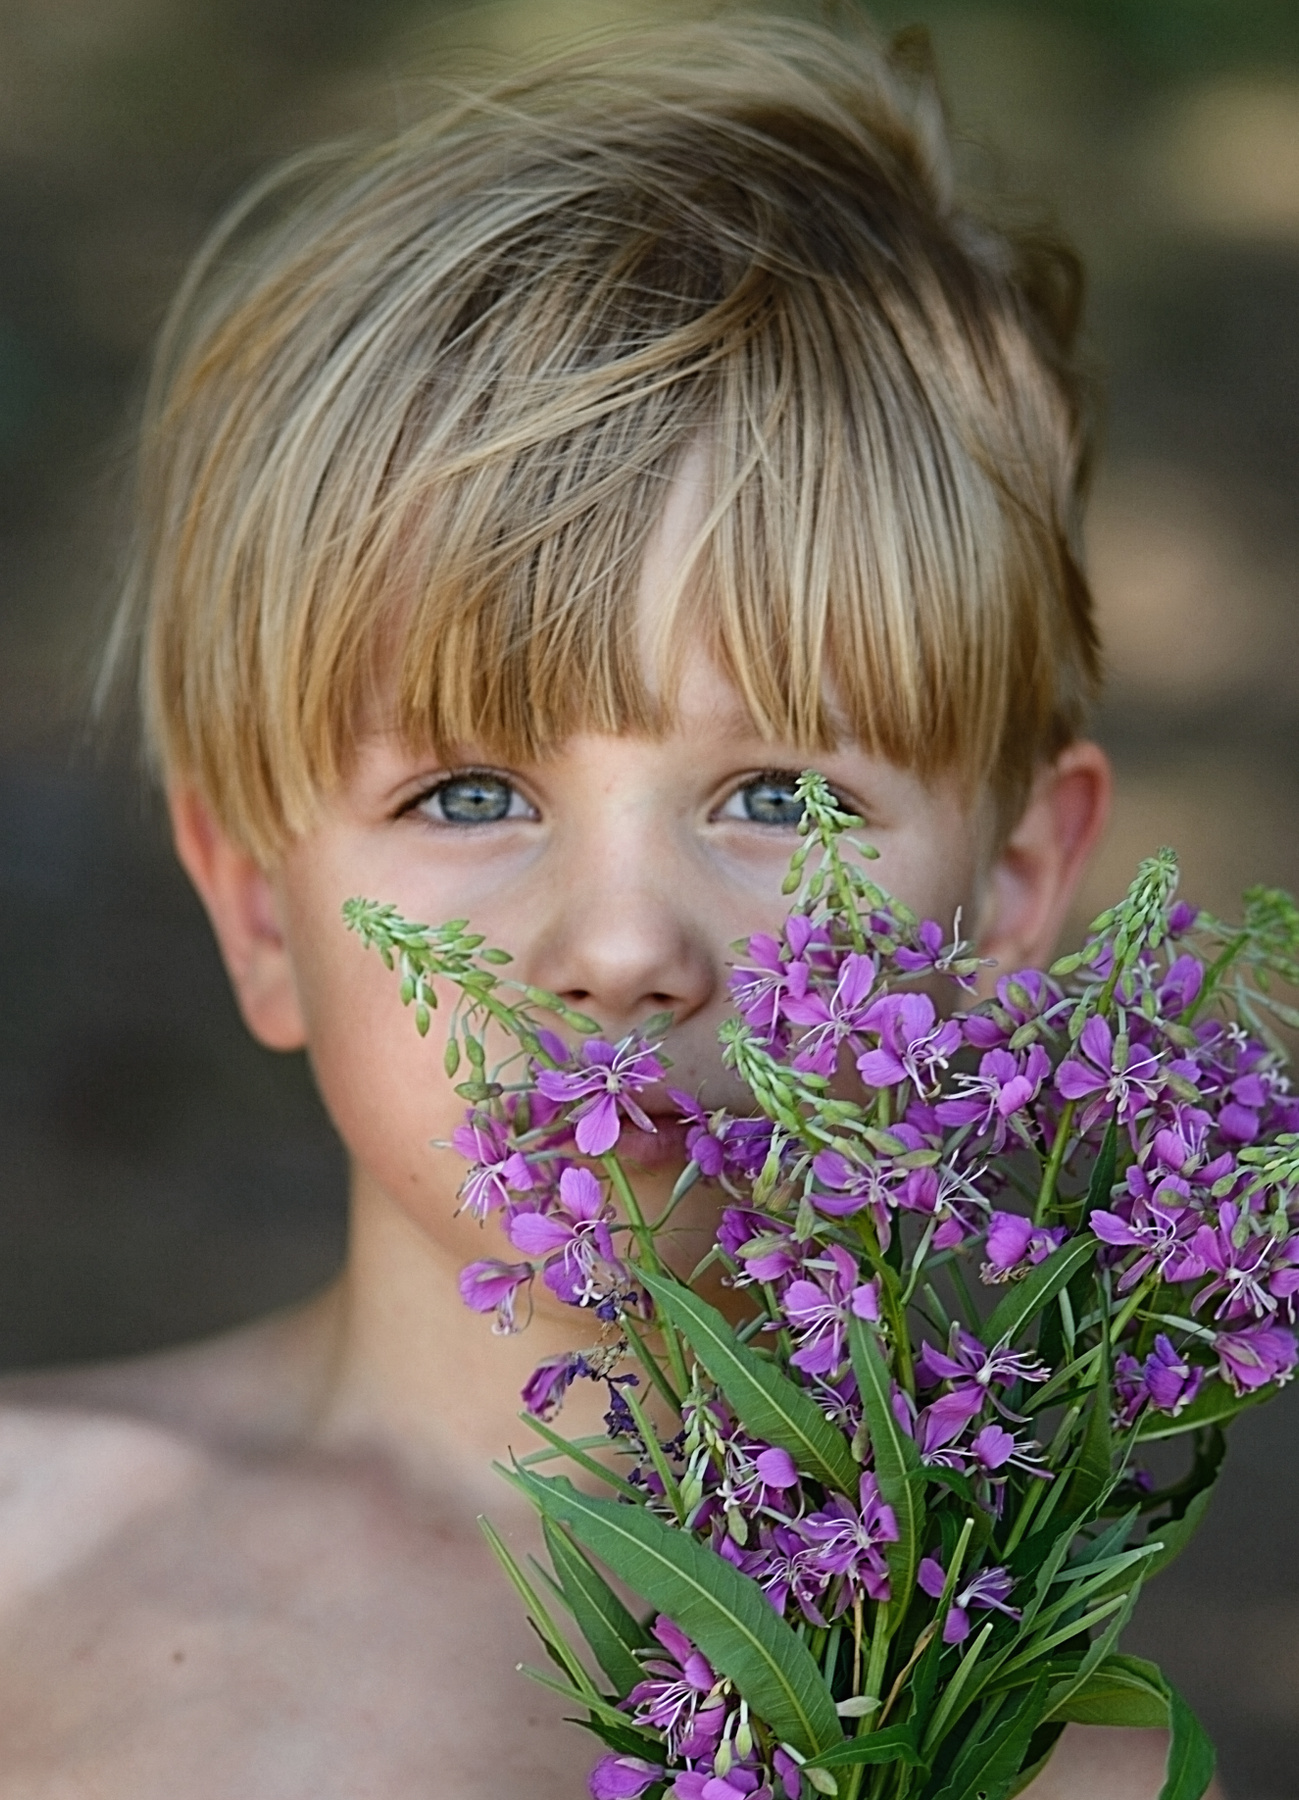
(162, 1176)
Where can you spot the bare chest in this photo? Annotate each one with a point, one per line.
(273, 1638)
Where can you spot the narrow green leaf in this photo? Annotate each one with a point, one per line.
(1101, 1184)
(766, 1402)
(895, 1744)
(611, 1631)
(987, 1766)
(1094, 1470)
(1191, 1756)
(1021, 1304)
(1177, 1533)
(723, 1611)
(1122, 1690)
(896, 1460)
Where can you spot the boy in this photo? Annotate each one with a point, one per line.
(522, 504)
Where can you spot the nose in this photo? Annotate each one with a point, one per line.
(624, 933)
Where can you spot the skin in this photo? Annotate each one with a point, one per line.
(250, 1569)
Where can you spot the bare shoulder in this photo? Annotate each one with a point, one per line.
(1096, 1763)
(88, 1452)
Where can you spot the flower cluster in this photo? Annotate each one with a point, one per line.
(978, 1252)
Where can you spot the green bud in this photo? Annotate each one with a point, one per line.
(407, 990)
(451, 1057)
(493, 955)
(820, 1779)
(422, 1020)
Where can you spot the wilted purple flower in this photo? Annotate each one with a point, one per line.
(1108, 1076)
(1014, 1240)
(989, 1588)
(622, 1778)
(498, 1170)
(1027, 994)
(847, 1541)
(1166, 1379)
(574, 1238)
(993, 1099)
(493, 1286)
(544, 1390)
(613, 1073)
(831, 1019)
(703, 1146)
(680, 1698)
(765, 1246)
(1249, 1359)
(818, 1310)
(914, 1043)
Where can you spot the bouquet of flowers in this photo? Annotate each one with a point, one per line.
(888, 1510)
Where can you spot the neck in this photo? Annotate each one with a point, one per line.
(411, 1374)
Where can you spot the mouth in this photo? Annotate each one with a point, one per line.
(664, 1147)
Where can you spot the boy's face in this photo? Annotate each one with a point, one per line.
(618, 873)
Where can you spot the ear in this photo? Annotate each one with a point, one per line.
(1033, 881)
(241, 903)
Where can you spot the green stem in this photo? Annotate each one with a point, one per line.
(1046, 1193)
(1214, 974)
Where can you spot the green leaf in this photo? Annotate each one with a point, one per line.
(987, 1766)
(725, 1613)
(767, 1403)
(895, 1744)
(1020, 1305)
(1191, 1756)
(1101, 1184)
(1214, 1405)
(611, 1631)
(896, 1460)
(1094, 1470)
(1177, 1533)
(1123, 1690)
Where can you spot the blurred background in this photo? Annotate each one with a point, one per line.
(162, 1176)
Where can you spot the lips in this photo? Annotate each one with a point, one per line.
(660, 1149)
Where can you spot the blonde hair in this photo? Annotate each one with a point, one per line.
(417, 407)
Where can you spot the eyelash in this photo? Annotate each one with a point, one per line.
(777, 778)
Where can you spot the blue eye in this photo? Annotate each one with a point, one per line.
(768, 800)
(475, 800)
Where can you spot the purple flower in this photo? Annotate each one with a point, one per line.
(544, 1390)
(974, 1371)
(783, 1564)
(574, 1238)
(613, 1073)
(761, 987)
(1160, 1227)
(1108, 1076)
(818, 1310)
(830, 1020)
(847, 1541)
(993, 1099)
(1166, 1379)
(679, 1698)
(498, 1168)
(860, 1185)
(988, 1588)
(1014, 1240)
(913, 1045)
(1251, 1358)
(1254, 1272)
(493, 1286)
(622, 1778)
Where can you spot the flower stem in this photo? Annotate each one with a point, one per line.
(1050, 1175)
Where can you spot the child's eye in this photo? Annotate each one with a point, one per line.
(770, 799)
(474, 799)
